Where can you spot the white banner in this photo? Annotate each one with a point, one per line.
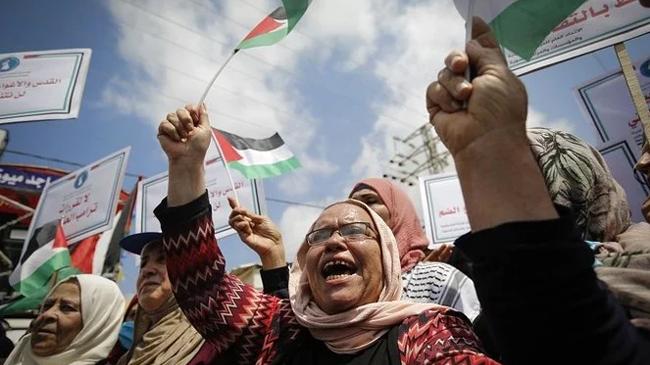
(445, 217)
(595, 25)
(153, 190)
(42, 85)
(620, 158)
(84, 200)
(607, 105)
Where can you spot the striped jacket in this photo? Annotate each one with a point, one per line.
(248, 327)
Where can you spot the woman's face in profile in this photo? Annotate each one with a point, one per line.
(59, 321)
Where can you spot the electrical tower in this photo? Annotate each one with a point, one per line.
(419, 153)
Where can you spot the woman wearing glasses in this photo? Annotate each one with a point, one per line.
(345, 286)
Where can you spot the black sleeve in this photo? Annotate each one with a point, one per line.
(541, 298)
(276, 282)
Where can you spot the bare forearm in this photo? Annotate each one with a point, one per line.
(186, 182)
(501, 181)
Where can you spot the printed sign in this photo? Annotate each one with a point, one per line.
(620, 159)
(85, 200)
(595, 25)
(445, 217)
(607, 105)
(153, 190)
(42, 85)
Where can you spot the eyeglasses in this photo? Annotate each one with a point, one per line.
(355, 231)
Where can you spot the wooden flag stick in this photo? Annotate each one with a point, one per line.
(634, 87)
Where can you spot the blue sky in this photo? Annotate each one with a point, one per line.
(338, 89)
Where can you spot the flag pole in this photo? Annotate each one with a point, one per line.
(225, 164)
(202, 100)
(468, 37)
(634, 87)
(214, 78)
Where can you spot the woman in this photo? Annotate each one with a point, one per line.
(424, 282)
(78, 324)
(433, 282)
(161, 334)
(344, 287)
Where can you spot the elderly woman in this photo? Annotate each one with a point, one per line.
(162, 334)
(424, 282)
(344, 287)
(78, 324)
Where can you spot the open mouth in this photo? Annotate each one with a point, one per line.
(337, 269)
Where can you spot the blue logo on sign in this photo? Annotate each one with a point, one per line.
(645, 68)
(81, 179)
(8, 64)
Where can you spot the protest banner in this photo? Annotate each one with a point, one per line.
(607, 106)
(444, 214)
(154, 189)
(85, 200)
(596, 24)
(42, 85)
(620, 159)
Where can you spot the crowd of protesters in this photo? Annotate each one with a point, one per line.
(553, 270)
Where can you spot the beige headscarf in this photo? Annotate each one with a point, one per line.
(102, 304)
(577, 177)
(164, 336)
(358, 328)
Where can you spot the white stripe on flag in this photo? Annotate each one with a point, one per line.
(254, 157)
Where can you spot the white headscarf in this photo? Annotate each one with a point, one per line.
(102, 306)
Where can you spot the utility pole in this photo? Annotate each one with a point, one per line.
(419, 153)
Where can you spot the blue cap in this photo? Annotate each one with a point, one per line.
(136, 242)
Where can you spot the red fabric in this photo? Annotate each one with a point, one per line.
(229, 152)
(267, 25)
(83, 253)
(59, 237)
(404, 221)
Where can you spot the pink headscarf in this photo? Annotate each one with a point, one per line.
(404, 221)
(357, 328)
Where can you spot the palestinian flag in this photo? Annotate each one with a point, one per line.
(276, 25)
(45, 253)
(520, 25)
(256, 158)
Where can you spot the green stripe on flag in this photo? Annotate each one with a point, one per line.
(42, 274)
(266, 39)
(295, 10)
(522, 26)
(263, 171)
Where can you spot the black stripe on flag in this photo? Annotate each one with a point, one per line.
(42, 236)
(243, 143)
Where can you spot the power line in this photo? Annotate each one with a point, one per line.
(58, 160)
(52, 159)
(289, 202)
(248, 55)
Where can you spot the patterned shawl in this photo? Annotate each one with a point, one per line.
(577, 177)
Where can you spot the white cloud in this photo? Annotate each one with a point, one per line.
(538, 119)
(294, 224)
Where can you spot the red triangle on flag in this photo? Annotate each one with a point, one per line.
(229, 152)
(59, 237)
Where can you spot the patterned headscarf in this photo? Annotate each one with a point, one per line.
(577, 177)
(404, 221)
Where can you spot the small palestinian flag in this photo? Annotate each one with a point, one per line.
(520, 25)
(275, 26)
(256, 158)
(45, 253)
